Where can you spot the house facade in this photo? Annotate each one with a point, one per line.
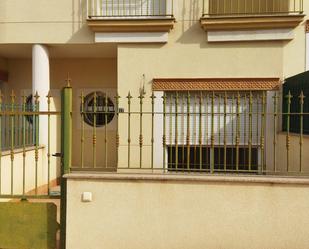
(181, 133)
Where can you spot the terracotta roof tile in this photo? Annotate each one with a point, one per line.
(219, 84)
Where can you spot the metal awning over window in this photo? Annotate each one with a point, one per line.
(219, 84)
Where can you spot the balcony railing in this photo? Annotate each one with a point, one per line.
(129, 8)
(251, 7)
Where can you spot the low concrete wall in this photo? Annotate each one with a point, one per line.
(181, 212)
(30, 171)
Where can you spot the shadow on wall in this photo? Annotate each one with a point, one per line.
(79, 26)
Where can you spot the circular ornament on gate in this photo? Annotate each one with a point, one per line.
(104, 111)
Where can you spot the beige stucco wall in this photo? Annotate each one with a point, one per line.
(187, 214)
(30, 171)
(186, 55)
(294, 153)
(36, 21)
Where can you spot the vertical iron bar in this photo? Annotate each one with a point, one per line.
(250, 131)
(24, 144)
(258, 96)
(194, 131)
(12, 141)
(48, 144)
(225, 124)
(37, 109)
(176, 130)
(129, 97)
(289, 99)
(171, 131)
(141, 97)
(233, 141)
(237, 130)
(301, 128)
(183, 140)
(219, 130)
(263, 128)
(164, 131)
(152, 127)
(212, 139)
(275, 116)
(117, 97)
(94, 131)
(82, 137)
(188, 131)
(207, 130)
(245, 130)
(200, 130)
(106, 111)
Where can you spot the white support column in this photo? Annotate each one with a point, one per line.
(41, 85)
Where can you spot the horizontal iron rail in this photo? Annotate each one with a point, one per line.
(28, 113)
(20, 196)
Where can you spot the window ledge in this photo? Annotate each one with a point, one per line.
(224, 23)
(188, 178)
(164, 24)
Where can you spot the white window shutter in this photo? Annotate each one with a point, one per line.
(206, 120)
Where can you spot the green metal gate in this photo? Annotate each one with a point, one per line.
(28, 212)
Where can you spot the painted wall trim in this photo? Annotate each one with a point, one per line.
(164, 24)
(138, 37)
(188, 178)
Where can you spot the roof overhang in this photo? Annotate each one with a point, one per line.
(216, 84)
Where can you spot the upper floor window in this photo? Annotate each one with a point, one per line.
(129, 8)
(253, 7)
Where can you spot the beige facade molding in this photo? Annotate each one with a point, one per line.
(253, 22)
(216, 84)
(131, 25)
(198, 178)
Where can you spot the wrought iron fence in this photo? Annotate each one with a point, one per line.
(21, 176)
(129, 8)
(251, 7)
(204, 132)
(18, 131)
(163, 132)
